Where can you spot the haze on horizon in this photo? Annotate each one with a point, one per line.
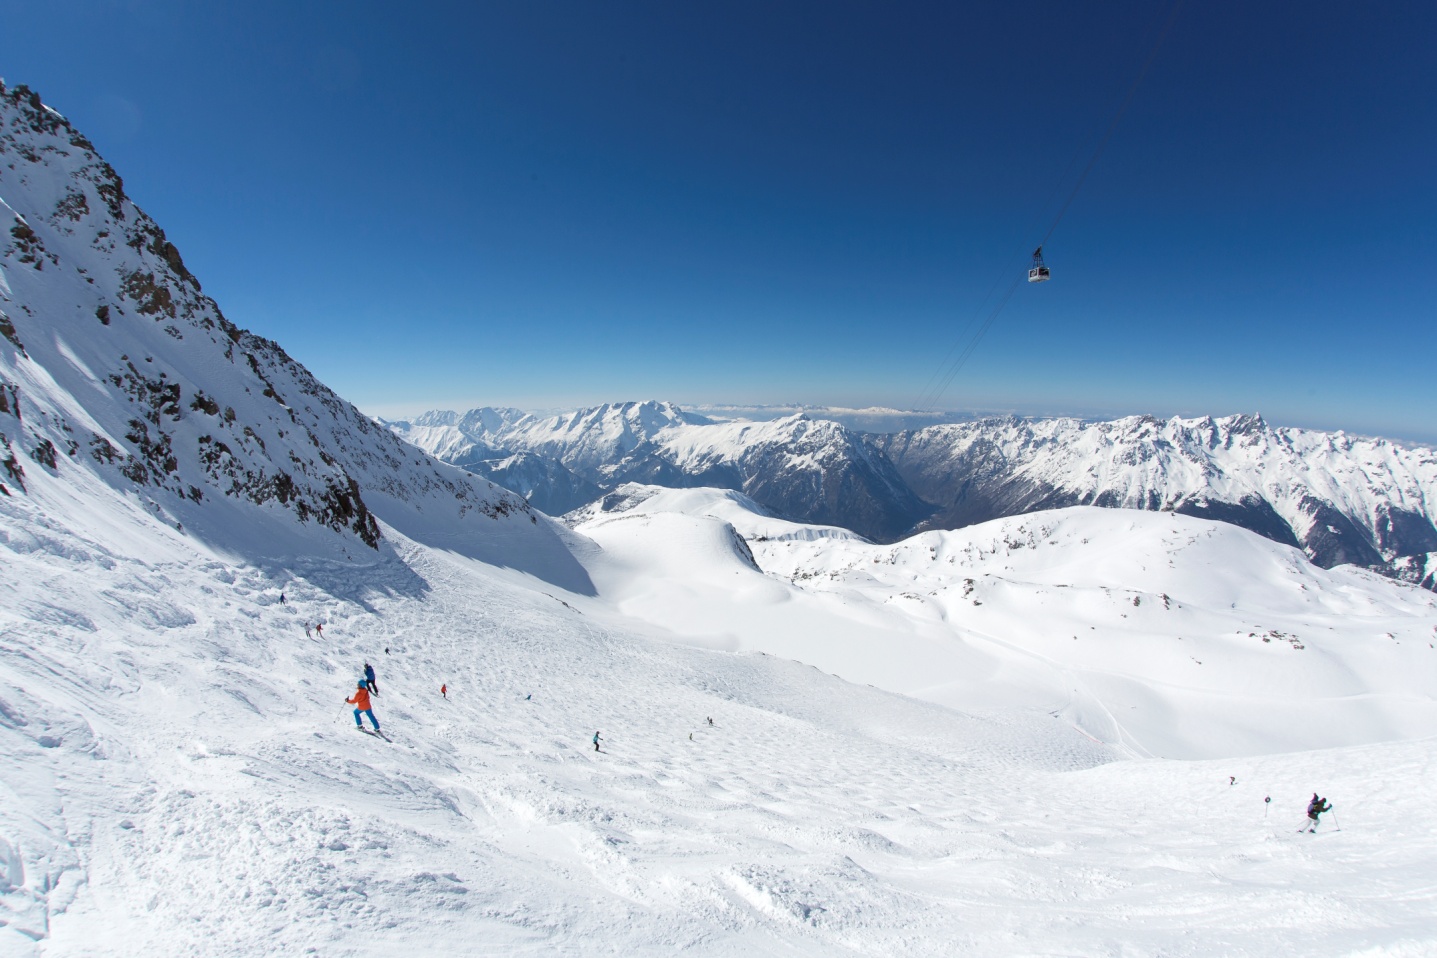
(555, 205)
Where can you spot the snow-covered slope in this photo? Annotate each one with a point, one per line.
(1368, 502)
(182, 778)
(1160, 633)
(114, 364)
(735, 508)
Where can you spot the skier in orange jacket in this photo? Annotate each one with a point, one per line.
(360, 701)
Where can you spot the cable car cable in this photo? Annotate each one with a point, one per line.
(1117, 118)
(928, 395)
(947, 379)
(973, 344)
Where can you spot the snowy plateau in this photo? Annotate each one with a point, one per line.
(1076, 731)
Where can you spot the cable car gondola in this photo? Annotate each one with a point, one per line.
(1039, 273)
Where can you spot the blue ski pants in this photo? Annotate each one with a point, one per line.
(372, 720)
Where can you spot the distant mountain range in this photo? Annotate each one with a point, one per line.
(813, 468)
(1340, 499)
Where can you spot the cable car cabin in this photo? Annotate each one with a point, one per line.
(1039, 272)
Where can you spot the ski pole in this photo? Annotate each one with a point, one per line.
(1335, 825)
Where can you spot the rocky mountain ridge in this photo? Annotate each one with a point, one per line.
(1342, 499)
(799, 467)
(116, 365)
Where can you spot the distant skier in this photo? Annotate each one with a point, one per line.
(281, 599)
(444, 691)
(596, 742)
(307, 632)
(1231, 780)
(319, 630)
(369, 678)
(360, 701)
(711, 721)
(1315, 808)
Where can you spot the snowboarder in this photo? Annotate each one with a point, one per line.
(596, 742)
(360, 701)
(1315, 808)
(369, 678)
(444, 691)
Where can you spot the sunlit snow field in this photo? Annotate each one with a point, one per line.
(183, 776)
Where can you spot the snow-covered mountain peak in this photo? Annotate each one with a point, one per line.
(115, 364)
(1343, 499)
(1368, 502)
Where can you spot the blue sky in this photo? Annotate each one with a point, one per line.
(551, 203)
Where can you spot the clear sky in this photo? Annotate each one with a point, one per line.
(546, 204)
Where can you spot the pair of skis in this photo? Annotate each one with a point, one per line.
(1312, 827)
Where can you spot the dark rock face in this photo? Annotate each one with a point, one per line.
(547, 485)
(1252, 513)
(852, 485)
(648, 465)
(1333, 539)
(1404, 532)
